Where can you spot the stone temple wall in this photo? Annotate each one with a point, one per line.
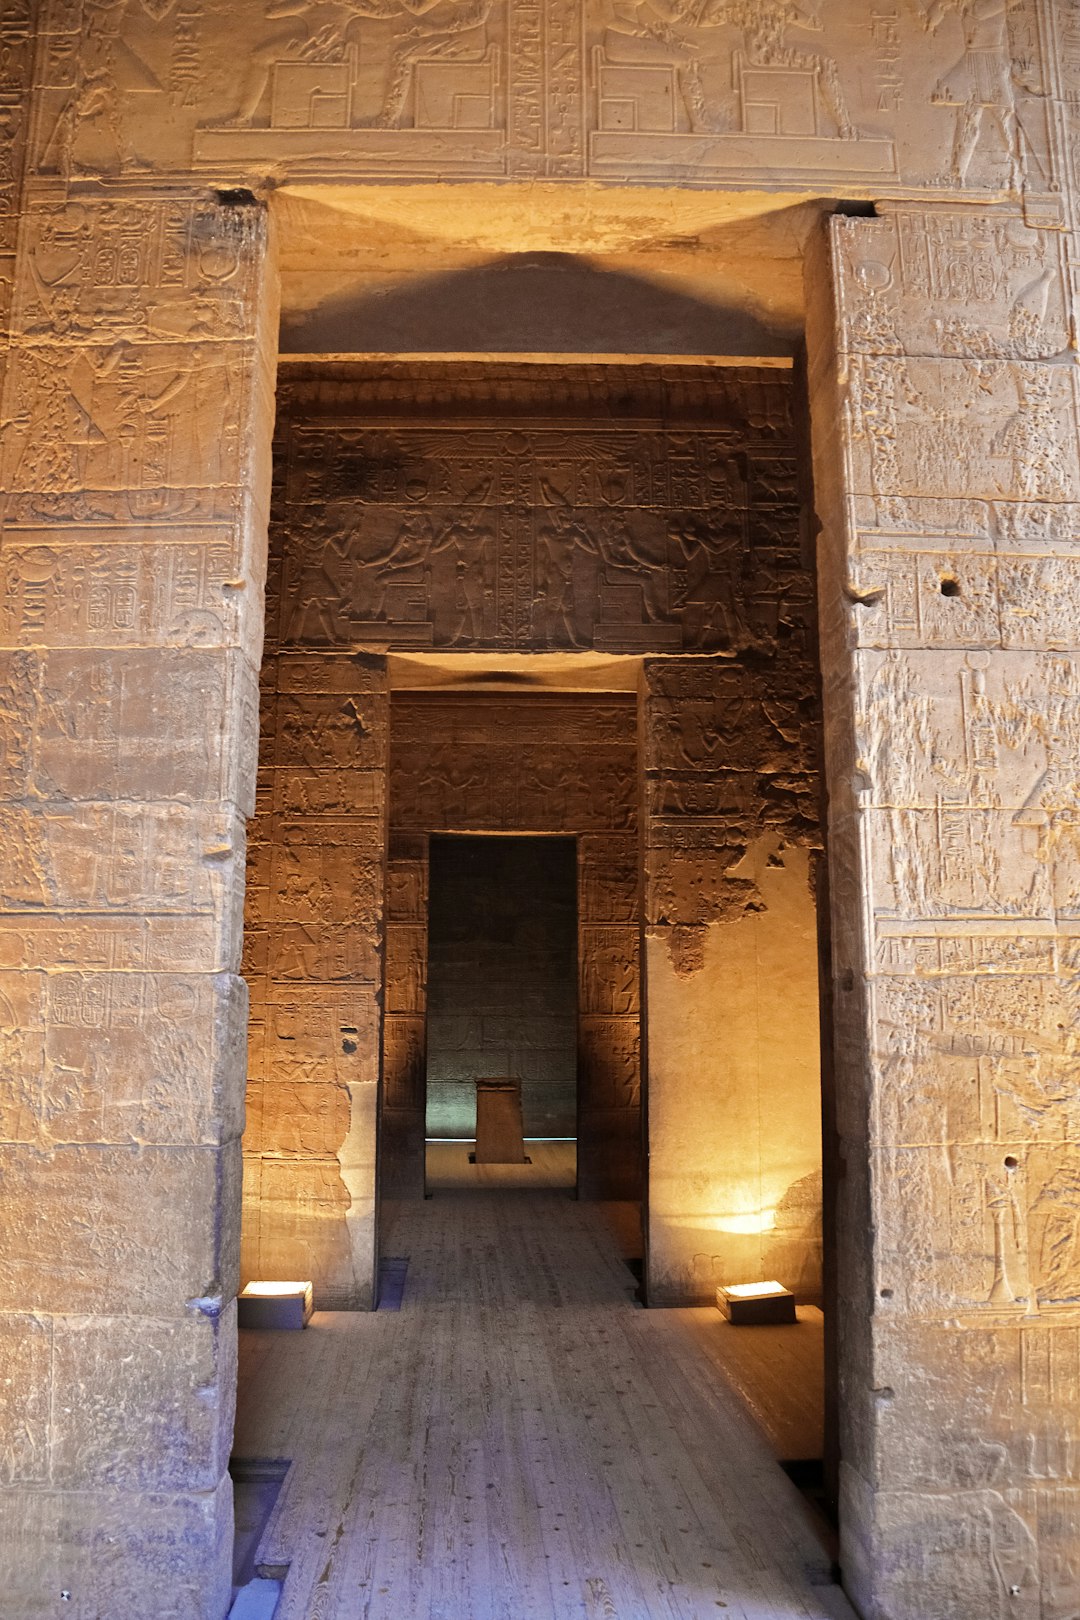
(139, 310)
(551, 509)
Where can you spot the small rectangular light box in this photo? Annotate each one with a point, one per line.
(751, 1304)
(275, 1305)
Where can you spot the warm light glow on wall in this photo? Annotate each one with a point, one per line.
(763, 1220)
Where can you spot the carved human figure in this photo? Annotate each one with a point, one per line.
(897, 735)
(622, 553)
(714, 608)
(558, 543)
(465, 545)
(1058, 1204)
(107, 72)
(981, 84)
(324, 573)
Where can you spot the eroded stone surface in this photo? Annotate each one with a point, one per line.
(945, 483)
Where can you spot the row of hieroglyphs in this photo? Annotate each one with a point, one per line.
(942, 92)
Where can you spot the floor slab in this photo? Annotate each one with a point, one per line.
(521, 1441)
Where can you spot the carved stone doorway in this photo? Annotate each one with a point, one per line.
(542, 598)
(502, 977)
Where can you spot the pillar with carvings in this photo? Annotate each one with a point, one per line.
(943, 399)
(136, 459)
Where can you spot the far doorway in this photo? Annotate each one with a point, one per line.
(502, 1003)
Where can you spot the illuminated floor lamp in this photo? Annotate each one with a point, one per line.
(275, 1305)
(751, 1304)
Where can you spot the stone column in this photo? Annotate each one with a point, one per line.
(316, 1060)
(609, 1151)
(405, 1031)
(943, 393)
(136, 459)
(730, 1026)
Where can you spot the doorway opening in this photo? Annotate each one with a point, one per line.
(526, 600)
(502, 1001)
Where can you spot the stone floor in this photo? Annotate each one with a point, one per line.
(521, 1441)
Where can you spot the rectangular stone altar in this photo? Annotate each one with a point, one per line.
(500, 1136)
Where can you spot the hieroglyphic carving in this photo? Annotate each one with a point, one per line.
(730, 753)
(960, 823)
(395, 85)
(315, 960)
(546, 763)
(415, 535)
(724, 88)
(742, 92)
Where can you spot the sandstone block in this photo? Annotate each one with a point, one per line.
(144, 1058)
(123, 1231)
(117, 1553)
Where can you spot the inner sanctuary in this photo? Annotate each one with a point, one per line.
(539, 810)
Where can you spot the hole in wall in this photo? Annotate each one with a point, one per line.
(950, 586)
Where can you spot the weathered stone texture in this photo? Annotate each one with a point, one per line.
(314, 963)
(946, 486)
(137, 406)
(729, 756)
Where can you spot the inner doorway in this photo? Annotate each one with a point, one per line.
(502, 996)
(506, 531)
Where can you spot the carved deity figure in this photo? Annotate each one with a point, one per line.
(464, 543)
(107, 73)
(981, 84)
(557, 544)
(323, 31)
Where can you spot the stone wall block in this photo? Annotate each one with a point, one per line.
(951, 283)
(121, 1231)
(146, 1404)
(121, 860)
(117, 1553)
(146, 726)
(143, 1058)
(26, 1392)
(22, 1043)
(945, 1416)
(130, 584)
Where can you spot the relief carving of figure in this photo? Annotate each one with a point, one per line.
(1059, 1258)
(107, 72)
(981, 85)
(465, 545)
(558, 543)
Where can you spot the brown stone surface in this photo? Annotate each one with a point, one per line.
(953, 938)
(137, 332)
(137, 407)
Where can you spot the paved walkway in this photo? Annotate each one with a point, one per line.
(520, 1441)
